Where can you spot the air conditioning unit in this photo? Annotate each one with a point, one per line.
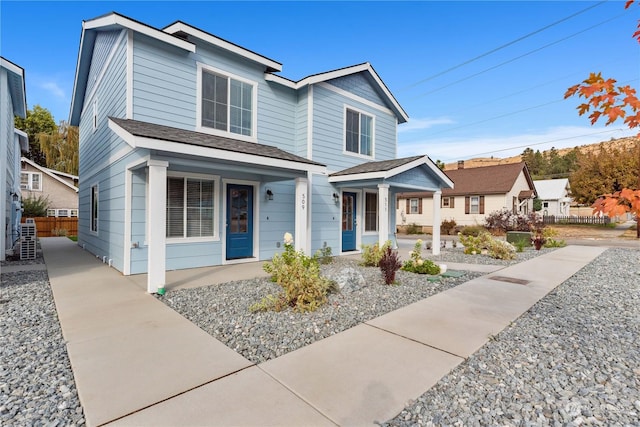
(28, 235)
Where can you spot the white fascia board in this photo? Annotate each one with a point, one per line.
(23, 137)
(281, 80)
(427, 162)
(115, 19)
(358, 177)
(216, 41)
(10, 66)
(68, 175)
(213, 153)
(47, 171)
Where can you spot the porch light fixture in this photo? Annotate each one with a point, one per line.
(336, 197)
(269, 194)
(15, 196)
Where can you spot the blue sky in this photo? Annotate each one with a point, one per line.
(476, 78)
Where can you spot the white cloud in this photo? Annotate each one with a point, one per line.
(452, 149)
(421, 124)
(54, 89)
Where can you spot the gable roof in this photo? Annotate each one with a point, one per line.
(341, 72)
(552, 189)
(52, 173)
(17, 88)
(386, 169)
(147, 135)
(496, 179)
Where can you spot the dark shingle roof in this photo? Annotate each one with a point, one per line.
(381, 166)
(167, 133)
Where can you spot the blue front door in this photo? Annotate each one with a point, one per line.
(348, 222)
(239, 221)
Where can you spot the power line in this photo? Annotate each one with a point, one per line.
(516, 58)
(519, 39)
(541, 143)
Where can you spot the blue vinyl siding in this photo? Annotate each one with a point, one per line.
(302, 122)
(359, 85)
(328, 130)
(276, 217)
(164, 84)
(105, 40)
(421, 176)
(325, 216)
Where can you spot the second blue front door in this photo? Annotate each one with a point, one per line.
(239, 221)
(348, 221)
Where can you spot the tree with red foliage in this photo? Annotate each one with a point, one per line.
(606, 100)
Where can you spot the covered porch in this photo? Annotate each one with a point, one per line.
(205, 196)
(373, 186)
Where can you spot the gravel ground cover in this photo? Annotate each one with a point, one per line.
(223, 310)
(572, 359)
(37, 387)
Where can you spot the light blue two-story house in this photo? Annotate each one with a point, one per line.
(13, 142)
(195, 152)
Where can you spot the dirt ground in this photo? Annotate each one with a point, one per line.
(592, 232)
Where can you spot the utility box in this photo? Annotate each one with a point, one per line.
(28, 237)
(514, 237)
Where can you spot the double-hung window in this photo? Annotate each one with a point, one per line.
(227, 103)
(474, 204)
(413, 206)
(358, 133)
(190, 207)
(370, 211)
(94, 209)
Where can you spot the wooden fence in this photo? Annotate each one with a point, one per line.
(558, 219)
(55, 226)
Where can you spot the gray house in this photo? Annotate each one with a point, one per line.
(13, 142)
(195, 152)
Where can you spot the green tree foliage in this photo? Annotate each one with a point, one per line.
(604, 171)
(550, 164)
(35, 206)
(60, 148)
(38, 121)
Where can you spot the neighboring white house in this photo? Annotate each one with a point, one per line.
(59, 188)
(477, 192)
(554, 195)
(13, 103)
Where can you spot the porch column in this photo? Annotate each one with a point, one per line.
(156, 223)
(383, 213)
(301, 210)
(435, 244)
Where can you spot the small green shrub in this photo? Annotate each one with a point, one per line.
(60, 232)
(549, 235)
(35, 206)
(484, 243)
(447, 226)
(303, 287)
(413, 228)
(472, 230)
(371, 254)
(419, 265)
(389, 264)
(520, 245)
(323, 255)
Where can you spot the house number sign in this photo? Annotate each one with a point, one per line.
(303, 201)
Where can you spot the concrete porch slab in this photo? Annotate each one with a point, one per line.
(361, 375)
(247, 398)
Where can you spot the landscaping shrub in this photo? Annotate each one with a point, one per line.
(413, 228)
(549, 235)
(419, 265)
(371, 254)
(505, 220)
(472, 230)
(303, 287)
(323, 255)
(485, 244)
(389, 264)
(35, 206)
(447, 226)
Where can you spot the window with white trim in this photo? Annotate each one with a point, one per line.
(94, 209)
(370, 211)
(445, 202)
(474, 204)
(74, 213)
(31, 181)
(190, 207)
(358, 133)
(227, 103)
(413, 206)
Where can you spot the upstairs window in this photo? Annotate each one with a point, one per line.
(31, 181)
(227, 104)
(358, 133)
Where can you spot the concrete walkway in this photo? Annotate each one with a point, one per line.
(136, 362)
